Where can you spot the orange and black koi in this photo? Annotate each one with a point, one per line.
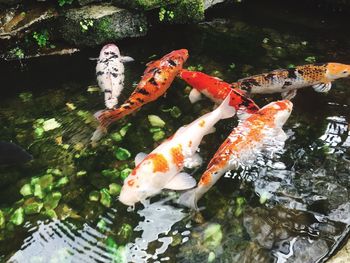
(287, 81)
(155, 81)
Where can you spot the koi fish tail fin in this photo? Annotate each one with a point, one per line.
(226, 109)
(189, 199)
(106, 117)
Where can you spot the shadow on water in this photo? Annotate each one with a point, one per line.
(292, 208)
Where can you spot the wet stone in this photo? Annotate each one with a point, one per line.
(96, 24)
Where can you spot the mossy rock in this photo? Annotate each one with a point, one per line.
(97, 24)
(184, 12)
(145, 4)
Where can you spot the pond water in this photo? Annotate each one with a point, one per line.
(63, 206)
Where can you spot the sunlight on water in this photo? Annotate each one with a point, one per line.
(158, 221)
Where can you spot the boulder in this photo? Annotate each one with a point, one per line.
(97, 24)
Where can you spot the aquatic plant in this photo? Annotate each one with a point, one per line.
(41, 38)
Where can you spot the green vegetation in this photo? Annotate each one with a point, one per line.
(41, 38)
(86, 24)
(65, 2)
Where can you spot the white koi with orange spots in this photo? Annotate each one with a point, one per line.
(162, 167)
(259, 131)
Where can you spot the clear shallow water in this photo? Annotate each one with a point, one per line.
(293, 208)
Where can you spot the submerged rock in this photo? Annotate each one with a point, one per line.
(17, 22)
(97, 24)
(342, 256)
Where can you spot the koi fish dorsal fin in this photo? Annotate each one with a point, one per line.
(322, 87)
(140, 157)
(226, 109)
(181, 181)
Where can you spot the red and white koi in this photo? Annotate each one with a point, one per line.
(110, 73)
(287, 81)
(259, 131)
(162, 167)
(216, 90)
(155, 81)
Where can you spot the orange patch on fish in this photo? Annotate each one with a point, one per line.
(160, 164)
(177, 156)
(189, 143)
(202, 123)
(205, 179)
(131, 182)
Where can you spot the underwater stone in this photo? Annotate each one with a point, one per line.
(51, 200)
(106, 199)
(187, 11)
(97, 24)
(114, 189)
(156, 121)
(17, 217)
(33, 208)
(26, 190)
(122, 154)
(94, 196)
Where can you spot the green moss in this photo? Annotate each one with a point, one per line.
(145, 4)
(187, 11)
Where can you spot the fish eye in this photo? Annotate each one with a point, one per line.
(345, 71)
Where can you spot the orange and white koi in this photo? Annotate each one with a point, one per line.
(155, 81)
(258, 132)
(287, 81)
(162, 167)
(216, 90)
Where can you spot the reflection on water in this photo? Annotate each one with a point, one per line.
(158, 221)
(336, 135)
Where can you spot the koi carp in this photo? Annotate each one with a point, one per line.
(110, 73)
(287, 81)
(155, 81)
(216, 90)
(260, 131)
(162, 167)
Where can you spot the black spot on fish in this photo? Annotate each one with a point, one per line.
(139, 100)
(115, 75)
(113, 56)
(99, 73)
(287, 84)
(115, 69)
(291, 73)
(153, 81)
(143, 92)
(248, 84)
(245, 102)
(152, 70)
(171, 62)
(131, 102)
(126, 107)
(107, 53)
(107, 91)
(300, 72)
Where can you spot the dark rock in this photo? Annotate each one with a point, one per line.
(97, 24)
(144, 4)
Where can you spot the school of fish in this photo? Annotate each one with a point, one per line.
(259, 129)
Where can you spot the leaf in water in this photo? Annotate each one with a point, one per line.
(26, 190)
(70, 106)
(106, 199)
(125, 173)
(156, 121)
(62, 181)
(124, 129)
(2, 220)
(114, 189)
(51, 124)
(122, 154)
(17, 217)
(33, 208)
(94, 196)
(159, 135)
(52, 200)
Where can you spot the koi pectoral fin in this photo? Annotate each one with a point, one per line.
(195, 96)
(288, 95)
(322, 87)
(126, 59)
(189, 199)
(181, 181)
(140, 157)
(193, 161)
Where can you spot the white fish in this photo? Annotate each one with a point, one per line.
(162, 167)
(110, 73)
(261, 131)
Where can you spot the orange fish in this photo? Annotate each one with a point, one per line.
(216, 90)
(162, 168)
(154, 83)
(260, 131)
(287, 81)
